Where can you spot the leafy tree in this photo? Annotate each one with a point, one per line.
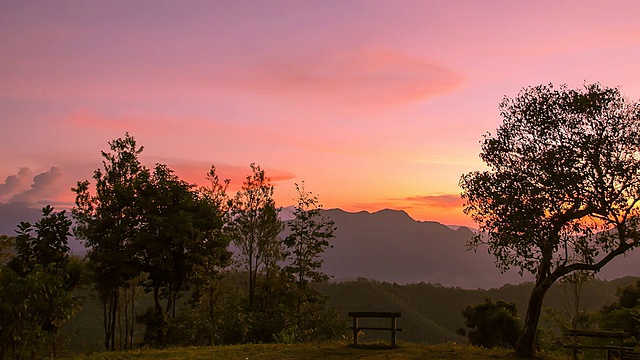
(492, 324)
(108, 222)
(562, 188)
(36, 285)
(216, 256)
(254, 229)
(308, 238)
(180, 233)
(7, 244)
(624, 315)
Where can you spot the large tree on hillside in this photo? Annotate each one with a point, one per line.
(562, 189)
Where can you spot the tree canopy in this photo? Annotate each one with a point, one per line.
(562, 186)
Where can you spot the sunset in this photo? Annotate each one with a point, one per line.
(369, 146)
(374, 105)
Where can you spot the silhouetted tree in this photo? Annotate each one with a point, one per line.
(108, 222)
(36, 285)
(180, 233)
(254, 228)
(309, 235)
(562, 188)
(625, 314)
(492, 324)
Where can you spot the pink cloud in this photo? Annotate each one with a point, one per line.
(45, 188)
(444, 201)
(347, 78)
(14, 184)
(194, 172)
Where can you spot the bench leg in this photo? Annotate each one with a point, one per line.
(355, 331)
(393, 332)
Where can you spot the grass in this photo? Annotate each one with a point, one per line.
(313, 351)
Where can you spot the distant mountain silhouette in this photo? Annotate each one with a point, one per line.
(389, 245)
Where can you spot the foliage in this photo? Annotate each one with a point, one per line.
(108, 222)
(493, 324)
(625, 314)
(308, 238)
(36, 287)
(254, 228)
(561, 191)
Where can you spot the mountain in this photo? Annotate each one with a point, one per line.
(389, 245)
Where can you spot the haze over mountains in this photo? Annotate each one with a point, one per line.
(389, 245)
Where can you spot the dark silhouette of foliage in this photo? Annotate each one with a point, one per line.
(36, 287)
(254, 228)
(562, 187)
(625, 314)
(180, 232)
(309, 235)
(108, 222)
(493, 324)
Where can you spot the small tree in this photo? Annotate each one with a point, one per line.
(625, 314)
(493, 324)
(309, 235)
(254, 228)
(562, 188)
(36, 286)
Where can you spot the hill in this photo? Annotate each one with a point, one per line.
(389, 245)
(432, 313)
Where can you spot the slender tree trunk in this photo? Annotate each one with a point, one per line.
(133, 316)
(525, 346)
(114, 311)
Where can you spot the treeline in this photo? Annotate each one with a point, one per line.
(150, 234)
(433, 314)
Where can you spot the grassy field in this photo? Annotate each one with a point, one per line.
(334, 350)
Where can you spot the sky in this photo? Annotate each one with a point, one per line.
(373, 104)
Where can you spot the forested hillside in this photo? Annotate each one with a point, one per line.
(430, 313)
(433, 313)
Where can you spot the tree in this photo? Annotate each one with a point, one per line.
(214, 258)
(254, 228)
(180, 232)
(308, 238)
(492, 324)
(36, 285)
(625, 314)
(562, 188)
(108, 222)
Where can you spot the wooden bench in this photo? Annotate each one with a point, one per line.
(613, 352)
(375, 314)
(628, 353)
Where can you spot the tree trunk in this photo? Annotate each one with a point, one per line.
(525, 346)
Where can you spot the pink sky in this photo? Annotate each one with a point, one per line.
(374, 104)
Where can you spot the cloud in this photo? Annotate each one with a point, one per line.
(194, 171)
(354, 77)
(444, 201)
(45, 187)
(15, 183)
